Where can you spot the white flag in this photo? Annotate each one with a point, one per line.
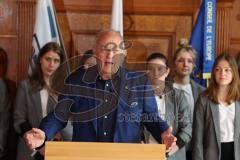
(117, 16)
(45, 29)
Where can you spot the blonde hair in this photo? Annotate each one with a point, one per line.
(184, 46)
(103, 33)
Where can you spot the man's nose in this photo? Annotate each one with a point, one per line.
(110, 54)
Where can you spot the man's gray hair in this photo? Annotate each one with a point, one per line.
(105, 32)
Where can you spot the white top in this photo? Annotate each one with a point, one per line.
(44, 100)
(161, 113)
(226, 118)
(161, 106)
(67, 132)
(187, 88)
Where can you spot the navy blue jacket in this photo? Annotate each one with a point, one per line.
(79, 102)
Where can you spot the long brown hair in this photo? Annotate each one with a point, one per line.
(36, 79)
(234, 86)
(238, 62)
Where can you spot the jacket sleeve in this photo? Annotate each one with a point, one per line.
(184, 133)
(55, 121)
(4, 118)
(21, 123)
(198, 130)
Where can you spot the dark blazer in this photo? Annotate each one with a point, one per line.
(28, 114)
(206, 130)
(4, 118)
(135, 105)
(197, 89)
(177, 115)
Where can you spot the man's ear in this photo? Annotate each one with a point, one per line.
(168, 71)
(124, 51)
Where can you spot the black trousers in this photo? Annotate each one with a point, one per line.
(38, 156)
(227, 151)
(189, 155)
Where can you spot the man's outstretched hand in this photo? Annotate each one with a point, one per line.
(34, 138)
(168, 139)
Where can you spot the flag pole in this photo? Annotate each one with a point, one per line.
(60, 37)
(117, 16)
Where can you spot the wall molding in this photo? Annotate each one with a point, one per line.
(7, 36)
(179, 7)
(235, 41)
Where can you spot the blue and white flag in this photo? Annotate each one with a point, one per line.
(203, 40)
(45, 29)
(117, 16)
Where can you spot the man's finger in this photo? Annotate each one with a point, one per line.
(36, 130)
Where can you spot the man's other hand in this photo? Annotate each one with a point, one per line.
(168, 139)
(34, 138)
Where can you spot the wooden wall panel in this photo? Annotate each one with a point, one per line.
(26, 19)
(11, 55)
(140, 17)
(235, 24)
(130, 6)
(65, 31)
(16, 23)
(146, 43)
(227, 27)
(82, 42)
(153, 25)
(156, 32)
(223, 25)
(8, 35)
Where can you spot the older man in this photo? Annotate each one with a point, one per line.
(106, 102)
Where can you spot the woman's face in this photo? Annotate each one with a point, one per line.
(223, 73)
(157, 71)
(184, 63)
(49, 62)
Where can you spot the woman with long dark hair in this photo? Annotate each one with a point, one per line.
(35, 99)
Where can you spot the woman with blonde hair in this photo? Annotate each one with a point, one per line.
(216, 127)
(183, 65)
